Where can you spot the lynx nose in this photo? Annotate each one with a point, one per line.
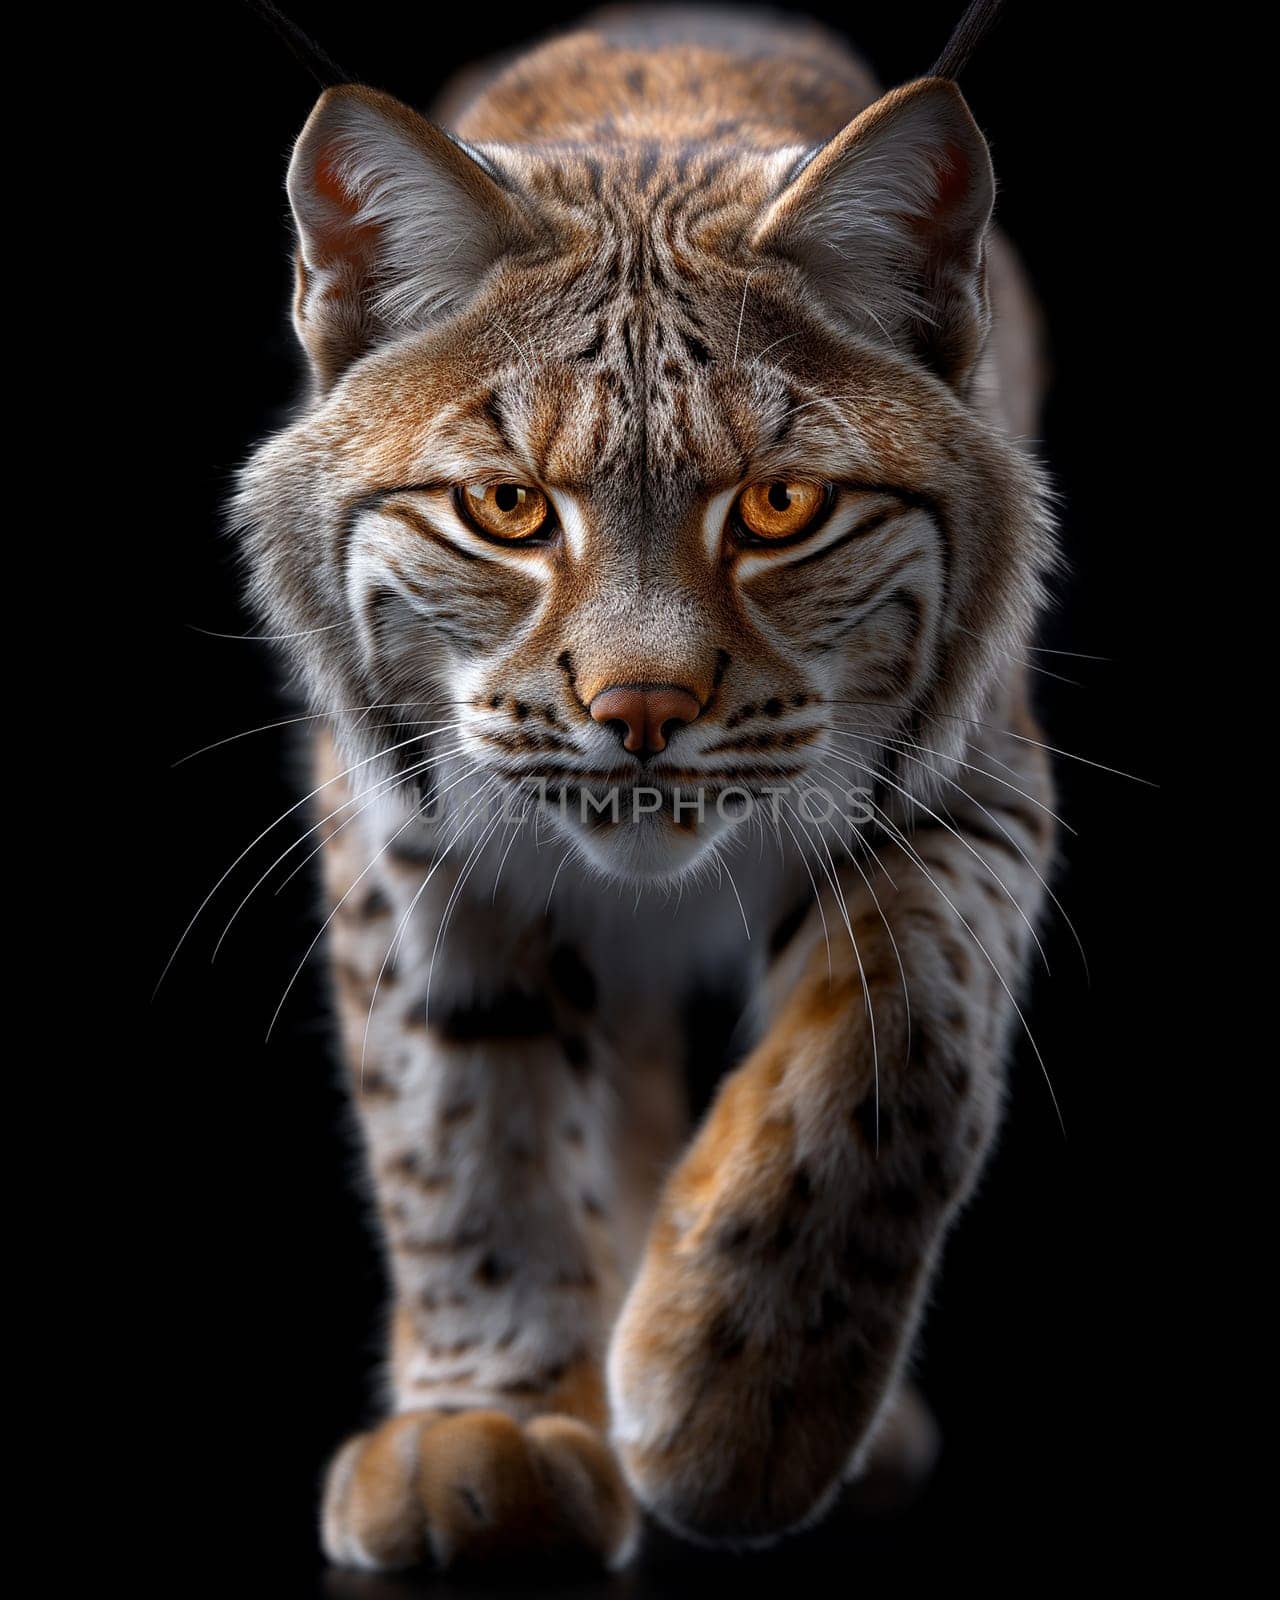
(645, 716)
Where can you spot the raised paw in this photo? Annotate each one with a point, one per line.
(763, 1337)
(730, 1425)
(476, 1488)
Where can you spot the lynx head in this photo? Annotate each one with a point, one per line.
(645, 463)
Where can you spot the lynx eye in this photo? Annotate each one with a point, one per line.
(512, 511)
(774, 509)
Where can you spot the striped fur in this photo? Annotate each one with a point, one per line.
(653, 261)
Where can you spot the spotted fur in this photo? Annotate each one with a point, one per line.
(652, 261)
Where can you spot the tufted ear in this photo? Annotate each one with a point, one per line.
(397, 223)
(890, 220)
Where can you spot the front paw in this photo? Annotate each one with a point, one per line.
(742, 1391)
(769, 1320)
(475, 1489)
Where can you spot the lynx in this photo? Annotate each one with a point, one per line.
(655, 551)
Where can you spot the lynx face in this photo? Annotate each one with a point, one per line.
(646, 470)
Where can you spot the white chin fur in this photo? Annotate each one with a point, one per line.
(650, 850)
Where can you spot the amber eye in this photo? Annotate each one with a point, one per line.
(504, 510)
(778, 510)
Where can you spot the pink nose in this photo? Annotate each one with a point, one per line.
(645, 716)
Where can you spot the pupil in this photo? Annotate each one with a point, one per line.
(506, 496)
(779, 498)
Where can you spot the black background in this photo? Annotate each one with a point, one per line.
(256, 1358)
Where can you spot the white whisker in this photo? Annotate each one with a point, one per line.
(360, 877)
(415, 771)
(742, 311)
(804, 861)
(995, 822)
(301, 633)
(437, 861)
(456, 893)
(556, 879)
(311, 716)
(959, 838)
(369, 797)
(288, 812)
(862, 974)
(1026, 1027)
